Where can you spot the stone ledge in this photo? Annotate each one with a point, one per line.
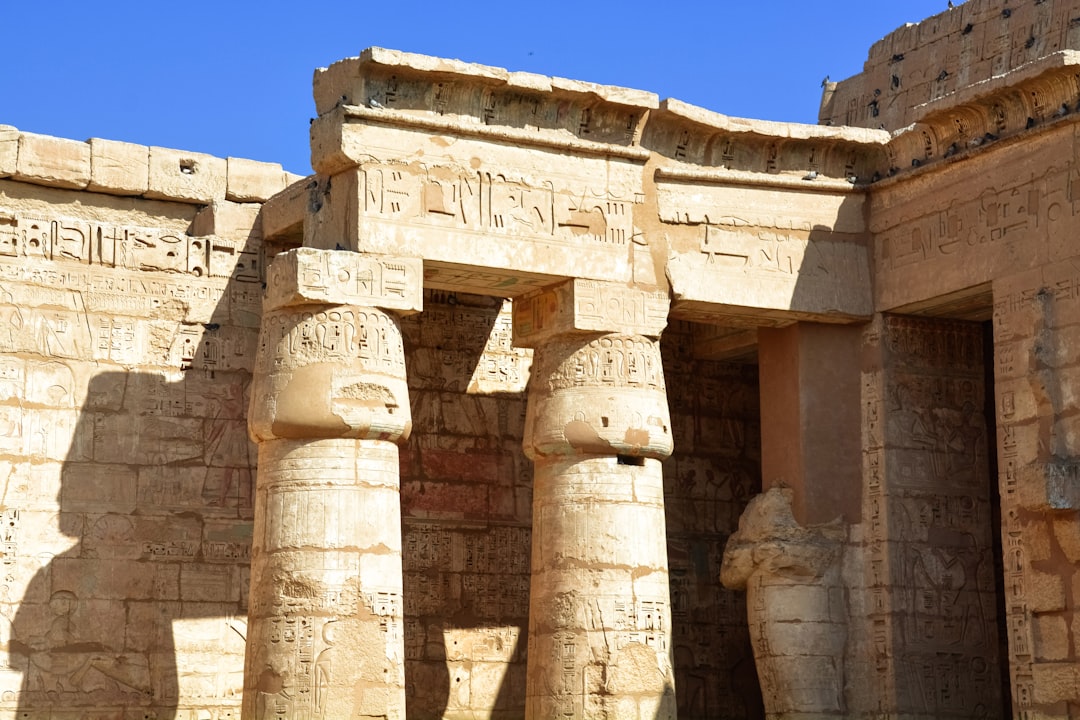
(128, 169)
(331, 81)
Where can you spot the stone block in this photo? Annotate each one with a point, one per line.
(1050, 486)
(53, 161)
(809, 686)
(1067, 533)
(9, 150)
(585, 306)
(238, 221)
(334, 277)
(1056, 682)
(253, 181)
(186, 176)
(283, 215)
(1051, 637)
(118, 168)
(1045, 592)
(795, 603)
(800, 638)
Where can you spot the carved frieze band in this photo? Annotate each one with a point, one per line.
(129, 247)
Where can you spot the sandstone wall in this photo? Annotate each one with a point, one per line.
(130, 296)
(715, 470)
(929, 521)
(992, 237)
(917, 66)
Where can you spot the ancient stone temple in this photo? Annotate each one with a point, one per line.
(544, 399)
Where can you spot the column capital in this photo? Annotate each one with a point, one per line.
(578, 307)
(304, 276)
(598, 395)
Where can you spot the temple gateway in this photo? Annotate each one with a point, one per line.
(545, 399)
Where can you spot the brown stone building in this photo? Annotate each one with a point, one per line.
(554, 400)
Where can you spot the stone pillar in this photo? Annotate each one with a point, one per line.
(810, 423)
(329, 404)
(597, 428)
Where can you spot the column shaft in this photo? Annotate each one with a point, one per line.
(599, 613)
(325, 626)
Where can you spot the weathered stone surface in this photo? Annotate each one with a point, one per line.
(329, 403)
(119, 168)
(53, 161)
(596, 426)
(251, 181)
(9, 150)
(788, 572)
(194, 177)
(581, 306)
(625, 317)
(236, 221)
(306, 275)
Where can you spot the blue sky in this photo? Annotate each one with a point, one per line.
(234, 78)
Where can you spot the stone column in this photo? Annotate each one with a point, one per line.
(810, 423)
(597, 428)
(329, 404)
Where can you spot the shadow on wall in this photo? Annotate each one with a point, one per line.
(714, 471)
(155, 494)
(466, 511)
(125, 469)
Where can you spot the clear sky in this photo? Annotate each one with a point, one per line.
(234, 77)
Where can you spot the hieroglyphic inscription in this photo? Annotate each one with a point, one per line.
(998, 217)
(129, 247)
(501, 367)
(308, 275)
(766, 251)
(496, 203)
(110, 291)
(489, 566)
(589, 306)
(297, 338)
(929, 519)
(617, 361)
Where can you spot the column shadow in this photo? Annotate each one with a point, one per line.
(150, 492)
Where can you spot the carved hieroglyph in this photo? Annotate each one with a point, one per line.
(329, 404)
(798, 624)
(125, 469)
(599, 616)
(928, 519)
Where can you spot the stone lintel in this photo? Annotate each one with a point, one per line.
(304, 276)
(985, 92)
(448, 97)
(587, 306)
